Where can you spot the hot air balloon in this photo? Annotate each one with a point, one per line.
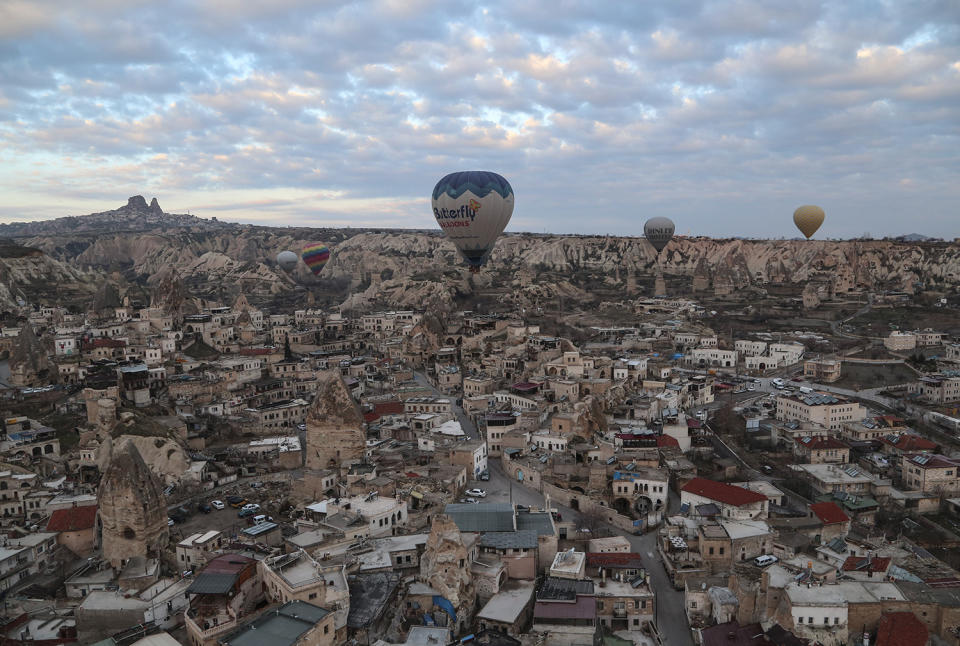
(473, 208)
(808, 219)
(658, 231)
(315, 255)
(287, 260)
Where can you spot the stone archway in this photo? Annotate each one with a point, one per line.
(574, 504)
(622, 505)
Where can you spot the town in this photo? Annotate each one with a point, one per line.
(238, 475)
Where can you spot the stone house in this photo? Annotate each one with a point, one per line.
(76, 527)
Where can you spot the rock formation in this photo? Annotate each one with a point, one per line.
(171, 295)
(335, 433)
(133, 509)
(423, 270)
(106, 300)
(445, 567)
(29, 362)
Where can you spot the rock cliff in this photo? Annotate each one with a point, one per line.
(370, 269)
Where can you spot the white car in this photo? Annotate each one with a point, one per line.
(479, 493)
(217, 504)
(250, 506)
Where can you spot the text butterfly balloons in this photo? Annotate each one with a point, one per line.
(473, 208)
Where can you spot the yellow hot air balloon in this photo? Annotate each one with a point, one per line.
(808, 219)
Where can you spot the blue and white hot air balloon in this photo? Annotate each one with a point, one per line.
(473, 207)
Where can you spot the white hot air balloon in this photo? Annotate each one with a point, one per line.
(287, 260)
(473, 208)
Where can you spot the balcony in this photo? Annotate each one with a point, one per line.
(210, 625)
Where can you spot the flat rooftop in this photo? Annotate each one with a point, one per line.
(507, 605)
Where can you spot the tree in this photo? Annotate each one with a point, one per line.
(594, 520)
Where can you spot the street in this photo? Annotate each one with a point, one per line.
(671, 617)
(465, 422)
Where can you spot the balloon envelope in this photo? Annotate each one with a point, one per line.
(808, 219)
(315, 255)
(287, 260)
(473, 208)
(658, 231)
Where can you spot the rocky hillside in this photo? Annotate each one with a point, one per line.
(136, 215)
(421, 269)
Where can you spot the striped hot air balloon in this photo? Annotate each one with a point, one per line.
(315, 255)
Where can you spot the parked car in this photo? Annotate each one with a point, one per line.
(252, 506)
(764, 561)
(478, 493)
(236, 501)
(262, 518)
(243, 513)
(170, 522)
(204, 507)
(177, 517)
(484, 475)
(217, 504)
(469, 500)
(256, 485)
(183, 511)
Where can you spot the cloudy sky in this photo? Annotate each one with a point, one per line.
(723, 115)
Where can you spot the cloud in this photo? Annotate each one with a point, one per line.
(720, 114)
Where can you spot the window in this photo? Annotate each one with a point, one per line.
(313, 595)
(810, 620)
(836, 620)
(799, 620)
(326, 629)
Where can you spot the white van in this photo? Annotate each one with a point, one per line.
(765, 560)
(805, 390)
(777, 383)
(261, 518)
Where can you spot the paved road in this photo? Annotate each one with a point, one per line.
(465, 422)
(671, 616)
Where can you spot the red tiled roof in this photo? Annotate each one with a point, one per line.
(72, 519)
(584, 608)
(816, 443)
(910, 442)
(927, 461)
(630, 560)
(383, 408)
(389, 408)
(228, 564)
(829, 513)
(901, 629)
(664, 441)
(865, 564)
(722, 492)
